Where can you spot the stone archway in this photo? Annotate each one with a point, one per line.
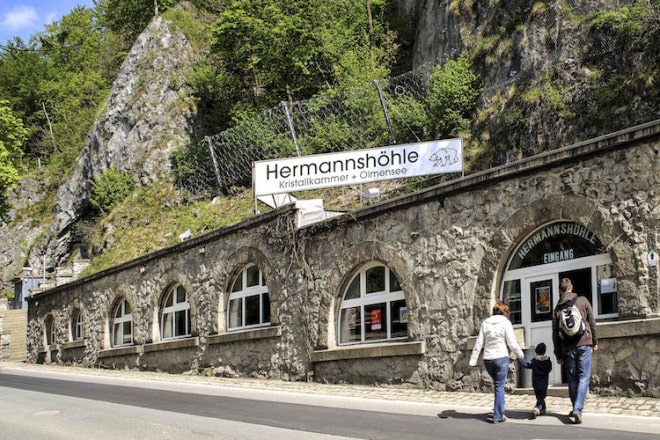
(537, 213)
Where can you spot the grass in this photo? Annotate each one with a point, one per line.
(153, 217)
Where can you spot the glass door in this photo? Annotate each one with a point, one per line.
(539, 298)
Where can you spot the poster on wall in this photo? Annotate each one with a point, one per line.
(351, 318)
(375, 319)
(542, 295)
(403, 314)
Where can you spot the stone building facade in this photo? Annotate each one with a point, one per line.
(392, 293)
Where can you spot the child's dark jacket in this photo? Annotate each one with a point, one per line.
(541, 366)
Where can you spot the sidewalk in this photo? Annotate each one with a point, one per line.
(644, 407)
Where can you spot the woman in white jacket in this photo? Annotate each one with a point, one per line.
(496, 337)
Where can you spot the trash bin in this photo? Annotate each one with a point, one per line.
(526, 373)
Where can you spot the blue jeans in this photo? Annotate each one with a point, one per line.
(577, 362)
(498, 370)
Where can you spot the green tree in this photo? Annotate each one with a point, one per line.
(452, 98)
(22, 68)
(128, 18)
(12, 136)
(111, 187)
(293, 49)
(69, 98)
(55, 84)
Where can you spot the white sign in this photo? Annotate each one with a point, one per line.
(354, 167)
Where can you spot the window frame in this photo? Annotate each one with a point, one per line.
(49, 330)
(174, 310)
(366, 301)
(120, 317)
(77, 325)
(244, 292)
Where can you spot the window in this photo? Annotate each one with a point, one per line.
(49, 328)
(249, 304)
(122, 325)
(607, 291)
(511, 294)
(77, 329)
(373, 307)
(175, 321)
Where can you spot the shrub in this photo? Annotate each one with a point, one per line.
(111, 187)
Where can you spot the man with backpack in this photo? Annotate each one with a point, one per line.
(574, 337)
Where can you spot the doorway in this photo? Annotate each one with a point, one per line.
(530, 284)
(539, 297)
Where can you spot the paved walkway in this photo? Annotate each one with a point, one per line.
(631, 406)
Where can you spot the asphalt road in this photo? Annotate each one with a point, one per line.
(52, 406)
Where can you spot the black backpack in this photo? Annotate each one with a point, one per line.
(571, 324)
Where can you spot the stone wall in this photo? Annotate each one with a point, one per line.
(447, 245)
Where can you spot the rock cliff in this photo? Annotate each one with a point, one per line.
(147, 116)
(554, 73)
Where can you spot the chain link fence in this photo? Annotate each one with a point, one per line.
(384, 112)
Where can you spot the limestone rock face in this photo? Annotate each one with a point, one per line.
(550, 50)
(147, 116)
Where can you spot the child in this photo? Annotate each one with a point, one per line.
(541, 366)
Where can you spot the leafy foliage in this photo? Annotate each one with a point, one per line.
(12, 136)
(111, 188)
(55, 84)
(293, 49)
(452, 97)
(128, 18)
(638, 25)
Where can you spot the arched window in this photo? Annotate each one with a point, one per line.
(249, 305)
(373, 307)
(49, 329)
(175, 319)
(77, 328)
(122, 325)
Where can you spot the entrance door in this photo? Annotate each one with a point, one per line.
(539, 298)
(530, 282)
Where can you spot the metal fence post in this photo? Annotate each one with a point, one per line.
(384, 107)
(292, 129)
(215, 162)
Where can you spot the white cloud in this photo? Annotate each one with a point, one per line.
(19, 18)
(53, 16)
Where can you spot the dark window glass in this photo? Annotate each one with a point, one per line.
(354, 289)
(394, 283)
(252, 275)
(265, 307)
(375, 279)
(399, 319)
(128, 332)
(561, 241)
(541, 300)
(181, 323)
(180, 295)
(252, 310)
(169, 300)
(238, 284)
(511, 295)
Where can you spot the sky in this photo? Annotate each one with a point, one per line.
(23, 18)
